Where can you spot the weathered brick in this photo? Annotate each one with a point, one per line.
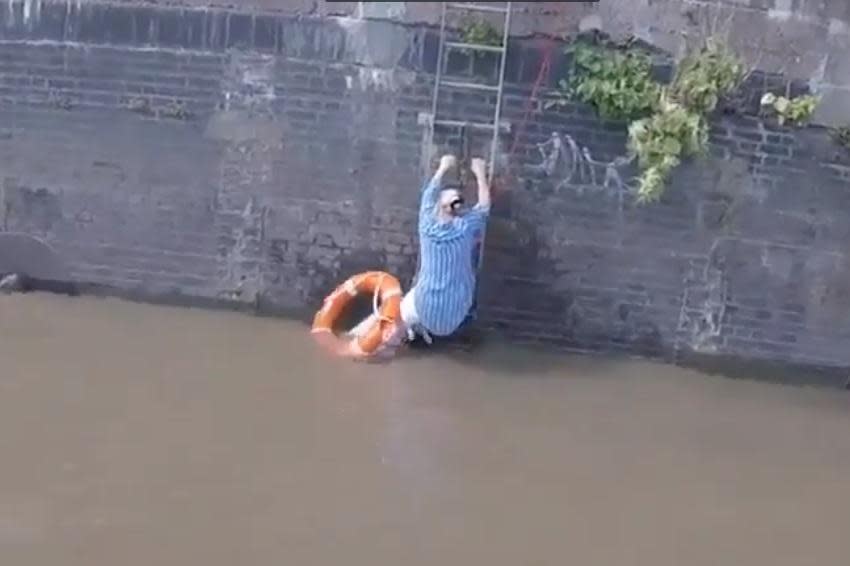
(266, 33)
(240, 30)
(772, 149)
(215, 29)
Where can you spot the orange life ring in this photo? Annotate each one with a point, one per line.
(376, 283)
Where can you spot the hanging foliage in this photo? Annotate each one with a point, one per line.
(793, 111)
(618, 84)
(668, 124)
(661, 141)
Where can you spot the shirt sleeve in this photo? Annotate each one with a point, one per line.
(476, 219)
(428, 202)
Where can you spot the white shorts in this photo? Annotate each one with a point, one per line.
(408, 309)
(409, 316)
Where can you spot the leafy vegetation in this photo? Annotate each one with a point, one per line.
(618, 84)
(480, 32)
(679, 129)
(668, 123)
(661, 141)
(791, 110)
(706, 76)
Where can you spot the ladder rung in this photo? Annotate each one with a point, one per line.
(476, 46)
(460, 124)
(475, 7)
(426, 119)
(475, 86)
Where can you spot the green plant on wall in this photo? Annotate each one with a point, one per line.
(790, 110)
(661, 141)
(705, 76)
(679, 128)
(480, 32)
(618, 84)
(668, 124)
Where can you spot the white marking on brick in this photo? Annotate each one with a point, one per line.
(384, 79)
(837, 27)
(570, 165)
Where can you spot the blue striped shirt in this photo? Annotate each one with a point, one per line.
(445, 285)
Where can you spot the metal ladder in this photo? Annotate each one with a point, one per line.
(442, 54)
(433, 121)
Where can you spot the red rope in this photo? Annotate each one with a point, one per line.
(542, 77)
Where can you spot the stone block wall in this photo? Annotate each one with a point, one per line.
(807, 40)
(202, 154)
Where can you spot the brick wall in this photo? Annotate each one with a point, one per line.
(808, 40)
(259, 159)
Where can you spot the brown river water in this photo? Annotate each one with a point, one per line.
(142, 435)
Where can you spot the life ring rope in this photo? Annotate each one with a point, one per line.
(386, 307)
